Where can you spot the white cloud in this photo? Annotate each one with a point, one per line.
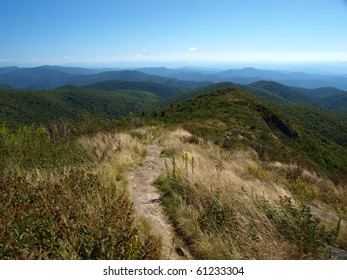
(144, 50)
(192, 49)
(66, 57)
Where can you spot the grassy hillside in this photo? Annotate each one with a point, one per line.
(227, 204)
(63, 197)
(233, 118)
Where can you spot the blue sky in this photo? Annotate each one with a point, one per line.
(114, 31)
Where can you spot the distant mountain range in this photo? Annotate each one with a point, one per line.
(48, 77)
(250, 75)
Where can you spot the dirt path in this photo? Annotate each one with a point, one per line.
(147, 204)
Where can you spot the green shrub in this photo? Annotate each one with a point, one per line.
(299, 227)
(34, 147)
(68, 215)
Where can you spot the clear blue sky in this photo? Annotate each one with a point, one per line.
(102, 31)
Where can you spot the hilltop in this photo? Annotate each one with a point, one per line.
(324, 98)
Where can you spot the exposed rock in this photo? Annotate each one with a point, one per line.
(337, 254)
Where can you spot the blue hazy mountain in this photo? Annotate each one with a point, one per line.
(49, 77)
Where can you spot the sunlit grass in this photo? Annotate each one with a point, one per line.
(216, 199)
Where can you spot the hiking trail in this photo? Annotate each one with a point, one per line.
(147, 203)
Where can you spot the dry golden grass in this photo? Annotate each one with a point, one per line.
(113, 154)
(214, 180)
(307, 187)
(213, 166)
(214, 198)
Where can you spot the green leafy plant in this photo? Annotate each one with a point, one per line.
(297, 226)
(71, 215)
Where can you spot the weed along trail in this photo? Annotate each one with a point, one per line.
(146, 199)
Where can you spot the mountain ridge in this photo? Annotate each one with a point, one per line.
(22, 78)
(49, 77)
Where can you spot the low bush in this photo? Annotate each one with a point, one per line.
(67, 215)
(297, 226)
